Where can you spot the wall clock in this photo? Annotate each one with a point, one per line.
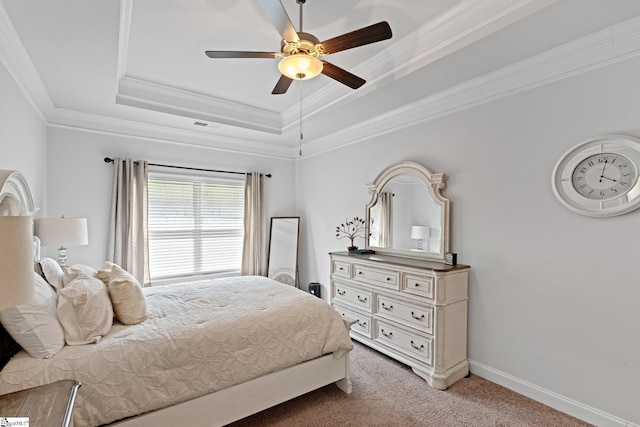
(599, 177)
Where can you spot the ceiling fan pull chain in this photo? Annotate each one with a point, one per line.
(301, 136)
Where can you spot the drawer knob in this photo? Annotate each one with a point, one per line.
(417, 317)
(361, 299)
(340, 268)
(421, 347)
(339, 292)
(388, 279)
(387, 307)
(388, 335)
(359, 272)
(416, 285)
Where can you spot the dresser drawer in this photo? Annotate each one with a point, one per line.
(406, 313)
(416, 346)
(418, 284)
(352, 296)
(341, 268)
(389, 279)
(363, 322)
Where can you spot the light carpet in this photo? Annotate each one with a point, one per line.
(388, 393)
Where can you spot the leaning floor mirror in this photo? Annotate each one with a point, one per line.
(283, 250)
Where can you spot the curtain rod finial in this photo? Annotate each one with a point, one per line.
(108, 160)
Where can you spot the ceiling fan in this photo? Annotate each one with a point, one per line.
(300, 51)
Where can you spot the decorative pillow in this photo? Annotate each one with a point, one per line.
(104, 273)
(127, 297)
(52, 272)
(84, 310)
(75, 271)
(34, 324)
(8, 347)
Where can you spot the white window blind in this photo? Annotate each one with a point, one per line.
(195, 225)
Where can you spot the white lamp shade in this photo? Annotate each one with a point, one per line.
(16, 260)
(63, 232)
(419, 232)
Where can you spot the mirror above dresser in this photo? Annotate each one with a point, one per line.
(407, 214)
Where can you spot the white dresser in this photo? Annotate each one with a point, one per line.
(413, 310)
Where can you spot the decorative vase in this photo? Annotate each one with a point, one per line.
(352, 248)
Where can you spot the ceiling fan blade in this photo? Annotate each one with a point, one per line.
(237, 54)
(283, 84)
(343, 76)
(277, 15)
(371, 34)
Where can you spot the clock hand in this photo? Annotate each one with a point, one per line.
(603, 168)
(606, 177)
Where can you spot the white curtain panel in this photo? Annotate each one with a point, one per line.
(386, 199)
(128, 244)
(253, 251)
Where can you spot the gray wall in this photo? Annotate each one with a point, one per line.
(553, 295)
(22, 137)
(79, 182)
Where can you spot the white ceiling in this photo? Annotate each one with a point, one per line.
(140, 64)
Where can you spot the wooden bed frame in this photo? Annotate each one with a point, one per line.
(239, 401)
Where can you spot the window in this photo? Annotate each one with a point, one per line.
(195, 225)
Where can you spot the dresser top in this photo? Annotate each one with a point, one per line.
(403, 261)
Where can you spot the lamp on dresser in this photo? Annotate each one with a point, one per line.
(16, 260)
(63, 232)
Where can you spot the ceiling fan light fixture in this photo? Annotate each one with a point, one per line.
(300, 66)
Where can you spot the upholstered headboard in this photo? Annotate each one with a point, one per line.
(15, 196)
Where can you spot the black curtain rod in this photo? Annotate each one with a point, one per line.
(268, 175)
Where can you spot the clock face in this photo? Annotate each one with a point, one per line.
(599, 177)
(604, 176)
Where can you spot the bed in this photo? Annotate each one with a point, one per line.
(207, 353)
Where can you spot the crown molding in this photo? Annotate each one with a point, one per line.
(603, 48)
(465, 24)
(18, 63)
(68, 119)
(600, 49)
(141, 93)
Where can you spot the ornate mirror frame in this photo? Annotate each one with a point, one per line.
(434, 182)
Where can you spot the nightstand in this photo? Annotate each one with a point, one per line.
(48, 405)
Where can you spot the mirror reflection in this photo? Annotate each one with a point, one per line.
(282, 262)
(407, 215)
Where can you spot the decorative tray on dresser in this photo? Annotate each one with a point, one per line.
(413, 310)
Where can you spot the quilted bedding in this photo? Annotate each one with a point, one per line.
(199, 337)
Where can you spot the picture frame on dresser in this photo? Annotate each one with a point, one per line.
(407, 303)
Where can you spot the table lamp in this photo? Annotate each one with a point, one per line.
(16, 260)
(419, 232)
(63, 232)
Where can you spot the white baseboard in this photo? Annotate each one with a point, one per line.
(557, 401)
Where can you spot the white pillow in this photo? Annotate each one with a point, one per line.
(84, 310)
(52, 272)
(75, 271)
(127, 297)
(34, 324)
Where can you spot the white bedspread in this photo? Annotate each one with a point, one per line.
(198, 338)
